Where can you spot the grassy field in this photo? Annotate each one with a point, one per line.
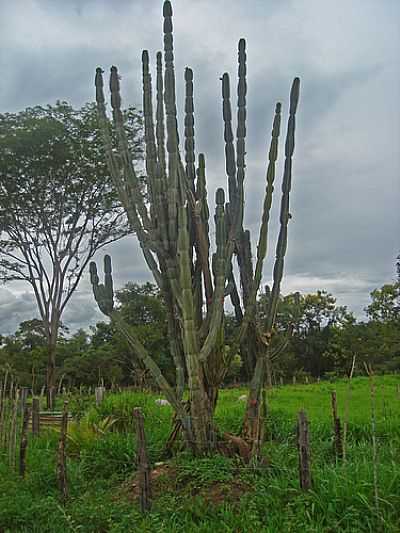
(218, 493)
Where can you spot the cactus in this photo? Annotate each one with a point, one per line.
(103, 293)
(173, 228)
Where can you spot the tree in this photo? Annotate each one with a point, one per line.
(385, 305)
(304, 328)
(57, 204)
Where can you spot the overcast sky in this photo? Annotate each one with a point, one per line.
(344, 234)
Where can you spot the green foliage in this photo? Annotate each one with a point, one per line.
(218, 493)
(57, 204)
(313, 336)
(385, 305)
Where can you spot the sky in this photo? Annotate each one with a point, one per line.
(344, 231)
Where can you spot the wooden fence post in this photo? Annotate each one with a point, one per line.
(337, 429)
(303, 444)
(61, 456)
(143, 463)
(35, 416)
(23, 398)
(24, 441)
(12, 442)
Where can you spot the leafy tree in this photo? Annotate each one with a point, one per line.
(385, 305)
(303, 331)
(57, 204)
(25, 352)
(143, 309)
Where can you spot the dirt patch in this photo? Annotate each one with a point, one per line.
(164, 478)
(218, 492)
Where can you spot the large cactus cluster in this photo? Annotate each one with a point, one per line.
(171, 221)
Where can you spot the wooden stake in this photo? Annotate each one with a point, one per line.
(347, 407)
(143, 464)
(337, 430)
(23, 398)
(12, 443)
(61, 456)
(24, 441)
(35, 416)
(303, 443)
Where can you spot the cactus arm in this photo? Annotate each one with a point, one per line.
(230, 163)
(149, 363)
(263, 235)
(172, 126)
(189, 129)
(234, 296)
(241, 124)
(203, 213)
(282, 239)
(188, 314)
(129, 173)
(103, 293)
(214, 317)
(160, 182)
(150, 143)
(130, 207)
(112, 161)
(175, 345)
(284, 213)
(244, 258)
(160, 128)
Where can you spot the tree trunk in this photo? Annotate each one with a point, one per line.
(51, 376)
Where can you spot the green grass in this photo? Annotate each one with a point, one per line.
(218, 493)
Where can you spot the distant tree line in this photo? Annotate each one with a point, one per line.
(313, 337)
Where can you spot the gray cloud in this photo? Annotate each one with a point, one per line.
(346, 189)
(14, 309)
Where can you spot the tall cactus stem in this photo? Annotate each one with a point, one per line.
(284, 212)
(160, 128)
(241, 123)
(172, 126)
(230, 163)
(130, 178)
(270, 178)
(189, 129)
(149, 137)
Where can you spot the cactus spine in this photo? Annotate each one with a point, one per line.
(173, 230)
